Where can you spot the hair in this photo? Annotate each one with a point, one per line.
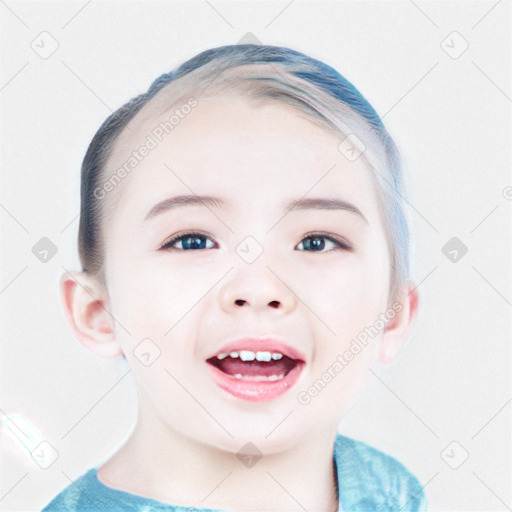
(263, 73)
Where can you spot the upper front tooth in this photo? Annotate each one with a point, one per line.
(263, 356)
(276, 356)
(247, 355)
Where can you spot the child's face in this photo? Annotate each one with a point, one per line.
(191, 302)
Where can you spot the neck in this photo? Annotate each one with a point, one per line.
(160, 463)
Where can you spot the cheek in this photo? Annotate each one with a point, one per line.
(156, 307)
(338, 380)
(348, 295)
(155, 295)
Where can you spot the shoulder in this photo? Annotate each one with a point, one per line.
(88, 494)
(72, 497)
(369, 479)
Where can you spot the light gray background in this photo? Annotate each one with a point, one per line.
(451, 120)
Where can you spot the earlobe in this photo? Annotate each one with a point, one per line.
(85, 303)
(398, 328)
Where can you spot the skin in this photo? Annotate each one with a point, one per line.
(257, 158)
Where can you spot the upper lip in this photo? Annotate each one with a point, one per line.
(262, 344)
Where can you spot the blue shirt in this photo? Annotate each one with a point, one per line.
(368, 480)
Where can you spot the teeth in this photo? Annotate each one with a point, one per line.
(259, 377)
(263, 356)
(246, 355)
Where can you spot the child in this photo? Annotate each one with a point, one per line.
(244, 247)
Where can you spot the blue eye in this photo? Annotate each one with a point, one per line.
(189, 241)
(314, 242)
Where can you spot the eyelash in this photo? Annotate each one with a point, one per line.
(168, 243)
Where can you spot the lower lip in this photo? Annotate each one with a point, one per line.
(255, 390)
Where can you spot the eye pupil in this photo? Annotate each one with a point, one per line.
(197, 242)
(317, 242)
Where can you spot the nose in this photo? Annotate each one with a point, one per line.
(256, 288)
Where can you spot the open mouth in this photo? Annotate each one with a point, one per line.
(256, 366)
(256, 375)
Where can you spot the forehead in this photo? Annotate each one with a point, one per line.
(228, 146)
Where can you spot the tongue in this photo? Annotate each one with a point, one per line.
(256, 368)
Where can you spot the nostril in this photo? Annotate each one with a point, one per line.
(274, 304)
(239, 302)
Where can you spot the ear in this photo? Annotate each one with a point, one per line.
(86, 307)
(405, 306)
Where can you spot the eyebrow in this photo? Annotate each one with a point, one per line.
(214, 202)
